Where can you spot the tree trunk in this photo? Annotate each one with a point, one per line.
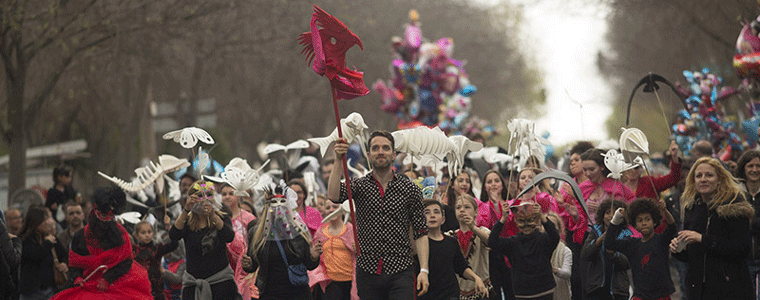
(17, 132)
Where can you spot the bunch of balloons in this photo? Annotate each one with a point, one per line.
(704, 118)
(747, 64)
(427, 86)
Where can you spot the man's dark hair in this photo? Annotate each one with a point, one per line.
(71, 203)
(581, 147)
(381, 133)
(605, 207)
(643, 206)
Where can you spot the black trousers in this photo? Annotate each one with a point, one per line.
(396, 286)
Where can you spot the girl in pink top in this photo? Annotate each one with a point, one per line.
(310, 216)
(335, 273)
(492, 194)
(240, 219)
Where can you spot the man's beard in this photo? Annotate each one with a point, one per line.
(383, 165)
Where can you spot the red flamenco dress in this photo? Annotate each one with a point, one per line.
(121, 278)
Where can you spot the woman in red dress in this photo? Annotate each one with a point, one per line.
(100, 259)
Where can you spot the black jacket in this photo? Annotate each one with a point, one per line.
(10, 258)
(717, 265)
(754, 253)
(37, 264)
(297, 251)
(599, 268)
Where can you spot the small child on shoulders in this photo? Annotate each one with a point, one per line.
(649, 254)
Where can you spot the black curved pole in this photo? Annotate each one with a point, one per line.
(650, 85)
(562, 177)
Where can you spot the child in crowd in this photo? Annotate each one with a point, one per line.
(473, 242)
(335, 274)
(173, 266)
(562, 261)
(443, 282)
(604, 270)
(148, 254)
(649, 254)
(529, 251)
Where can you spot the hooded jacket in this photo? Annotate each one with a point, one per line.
(599, 267)
(753, 199)
(717, 265)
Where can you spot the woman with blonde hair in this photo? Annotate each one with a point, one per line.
(281, 249)
(206, 231)
(715, 241)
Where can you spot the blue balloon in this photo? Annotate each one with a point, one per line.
(468, 90)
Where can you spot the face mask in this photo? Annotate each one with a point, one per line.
(205, 192)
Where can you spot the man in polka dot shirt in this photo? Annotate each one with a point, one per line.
(387, 206)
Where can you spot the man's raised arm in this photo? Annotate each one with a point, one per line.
(333, 183)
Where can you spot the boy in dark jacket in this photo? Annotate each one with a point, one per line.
(649, 254)
(530, 251)
(604, 271)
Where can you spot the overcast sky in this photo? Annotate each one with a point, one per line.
(562, 38)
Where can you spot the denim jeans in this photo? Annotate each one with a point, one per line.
(754, 272)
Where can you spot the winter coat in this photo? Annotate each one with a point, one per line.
(596, 264)
(717, 265)
(754, 253)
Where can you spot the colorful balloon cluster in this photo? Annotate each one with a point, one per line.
(747, 64)
(704, 118)
(747, 58)
(427, 86)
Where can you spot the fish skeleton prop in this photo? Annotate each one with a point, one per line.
(147, 175)
(422, 140)
(353, 131)
(462, 145)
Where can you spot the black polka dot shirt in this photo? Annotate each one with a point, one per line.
(383, 219)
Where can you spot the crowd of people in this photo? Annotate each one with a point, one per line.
(468, 236)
